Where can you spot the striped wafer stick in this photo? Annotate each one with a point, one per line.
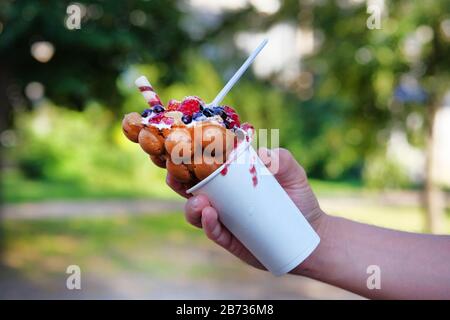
(147, 91)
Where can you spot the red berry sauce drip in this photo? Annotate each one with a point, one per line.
(253, 173)
(224, 171)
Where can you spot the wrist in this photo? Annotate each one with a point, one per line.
(310, 267)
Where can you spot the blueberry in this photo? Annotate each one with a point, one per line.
(186, 119)
(158, 108)
(220, 112)
(197, 116)
(217, 110)
(146, 112)
(227, 124)
(208, 112)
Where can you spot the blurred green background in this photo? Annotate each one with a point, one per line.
(362, 100)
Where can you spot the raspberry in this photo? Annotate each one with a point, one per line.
(173, 105)
(167, 120)
(229, 110)
(157, 118)
(189, 106)
(232, 119)
(161, 118)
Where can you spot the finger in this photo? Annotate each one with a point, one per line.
(193, 209)
(214, 229)
(177, 186)
(283, 166)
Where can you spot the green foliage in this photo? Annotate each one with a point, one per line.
(86, 149)
(381, 173)
(88, 61)
(333, 134)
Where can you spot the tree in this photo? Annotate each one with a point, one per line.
(385, 74)
(370, 80)
(87, 61)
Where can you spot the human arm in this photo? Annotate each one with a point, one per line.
(411, 265)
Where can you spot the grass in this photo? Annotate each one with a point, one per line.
(159, 246)
(162, 245)
(155, 244)
(405, 218)
(323, 187)
(17, 189)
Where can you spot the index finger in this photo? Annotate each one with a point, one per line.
(177, 186)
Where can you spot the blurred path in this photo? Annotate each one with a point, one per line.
(80, 208)
(67, 209)
(231, 280)
(127, 285)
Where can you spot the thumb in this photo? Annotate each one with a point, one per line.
(283, 166)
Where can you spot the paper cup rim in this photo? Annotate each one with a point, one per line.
(243, 146)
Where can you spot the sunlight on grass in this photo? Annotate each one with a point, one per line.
(396, 217)
(323, 187)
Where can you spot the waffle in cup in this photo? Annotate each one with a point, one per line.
(188, 138)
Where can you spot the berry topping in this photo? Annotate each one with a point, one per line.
(220, 112)
(186, 119)
(246, 126)
(217, 110)
(173, 105)
(146, 112)
(161, 118)
(208, 112)
(198, 116)
(157, 118)
(189, 106)
(233, 119)
(158, 108)
(167, 120)
(229, 110)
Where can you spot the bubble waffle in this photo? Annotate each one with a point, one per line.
(188, 138)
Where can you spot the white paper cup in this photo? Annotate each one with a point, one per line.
(261, 215)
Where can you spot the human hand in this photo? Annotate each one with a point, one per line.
(290, 175)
